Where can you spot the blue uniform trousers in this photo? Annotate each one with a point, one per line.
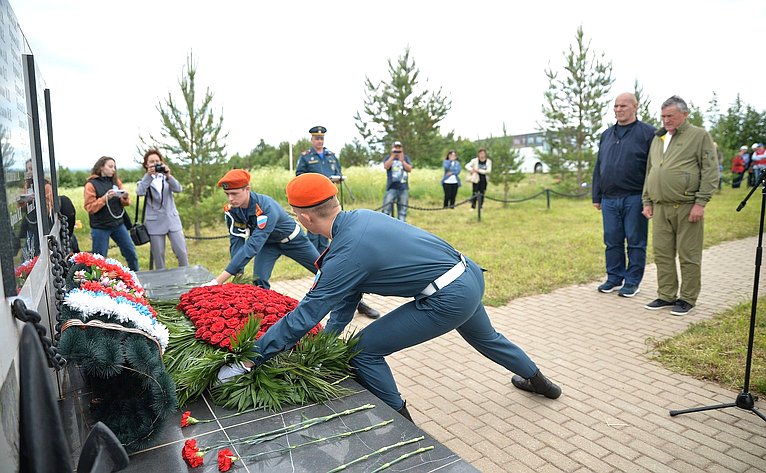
(299, 249)
(623, 221)
(455, 307)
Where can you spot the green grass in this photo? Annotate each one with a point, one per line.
(526, 248)
(716, 349)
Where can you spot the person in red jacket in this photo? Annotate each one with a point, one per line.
(738, 166)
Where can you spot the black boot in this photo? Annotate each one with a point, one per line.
(538, 384)
(364, 309)
(405, 413)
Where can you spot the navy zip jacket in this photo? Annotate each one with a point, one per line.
(621, 164)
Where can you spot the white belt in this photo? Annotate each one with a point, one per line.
(292, 235)
(446, 278)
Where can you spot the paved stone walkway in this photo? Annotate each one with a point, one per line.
(613, 413)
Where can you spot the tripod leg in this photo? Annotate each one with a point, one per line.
(758, 413)
(704, 408)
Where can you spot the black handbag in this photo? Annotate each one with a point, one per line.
(138, 232)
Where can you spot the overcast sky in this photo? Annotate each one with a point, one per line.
(278, 68)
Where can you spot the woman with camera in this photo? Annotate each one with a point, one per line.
(158, 185)
(105, 200)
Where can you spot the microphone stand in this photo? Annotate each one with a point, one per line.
(745, 400)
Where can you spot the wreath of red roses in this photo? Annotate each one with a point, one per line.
(98, 287)
(220, 311)
(112, 270)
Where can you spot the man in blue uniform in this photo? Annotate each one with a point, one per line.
(321, 160)
(371, 252)
(259, 228)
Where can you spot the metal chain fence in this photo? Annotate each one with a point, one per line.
(546, 192)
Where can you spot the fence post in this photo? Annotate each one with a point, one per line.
(479, 201)
(548, 198)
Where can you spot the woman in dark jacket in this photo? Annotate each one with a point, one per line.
(105, 200)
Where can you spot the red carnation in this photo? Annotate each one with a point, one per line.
(187, 419)
(225, 459)
(191, 454)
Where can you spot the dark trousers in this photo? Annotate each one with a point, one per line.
(450, 192)
(625, 231)
(479, 188)
(457, 306)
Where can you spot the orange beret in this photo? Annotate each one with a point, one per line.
(235, 179)
(310, 189)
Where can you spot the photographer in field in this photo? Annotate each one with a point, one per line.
(158, 186)
(105, 200)
(397, 165)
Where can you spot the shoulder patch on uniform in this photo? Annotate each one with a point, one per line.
(261, 221)
(316, 279)
(258, 210)
(305, 152)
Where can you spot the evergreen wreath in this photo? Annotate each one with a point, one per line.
(110, 332)
(215, 325)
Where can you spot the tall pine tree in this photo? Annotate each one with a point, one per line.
(575, 104)
(401, 110)
(192, 141)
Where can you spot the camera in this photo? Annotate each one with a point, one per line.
(160, 168)
(397, 151)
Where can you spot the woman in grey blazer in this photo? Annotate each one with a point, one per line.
(157, 187)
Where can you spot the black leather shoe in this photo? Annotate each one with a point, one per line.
(366, 310)
(537, 384)
(405, 413)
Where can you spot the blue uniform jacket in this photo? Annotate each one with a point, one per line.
(268, 223)
(621, 164)
(370, 253)
(327, 165)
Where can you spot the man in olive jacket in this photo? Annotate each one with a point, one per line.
(681, 176)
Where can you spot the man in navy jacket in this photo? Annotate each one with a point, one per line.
(618, 181)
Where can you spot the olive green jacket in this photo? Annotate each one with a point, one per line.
(686, 173)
